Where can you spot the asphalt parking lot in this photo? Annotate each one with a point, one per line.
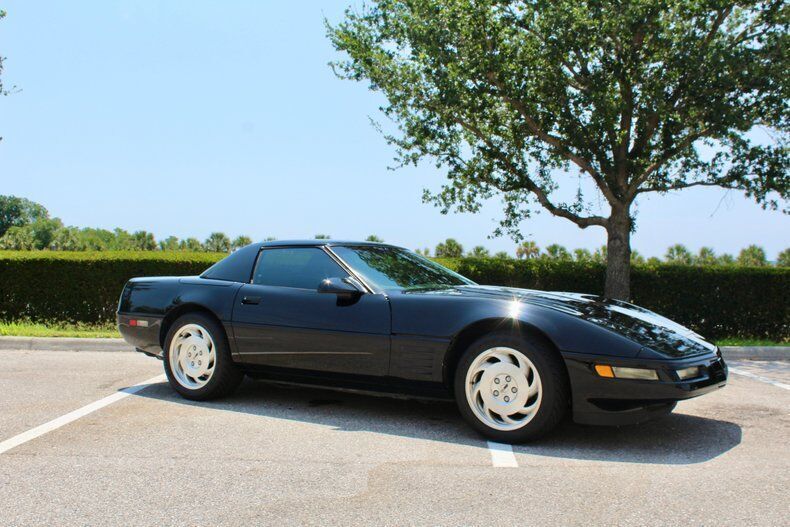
(277, 455)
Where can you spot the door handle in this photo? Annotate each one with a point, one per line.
(251, 300)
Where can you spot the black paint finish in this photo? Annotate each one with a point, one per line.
(405, 340)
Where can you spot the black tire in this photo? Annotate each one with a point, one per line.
(226, 376)
(555, 400)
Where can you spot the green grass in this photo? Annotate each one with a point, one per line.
(750, 342)
(57, 329)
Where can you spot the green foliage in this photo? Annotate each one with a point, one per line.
(528, 250)
(143, 241)
(17, 212)
(716, 301)
(190, 244)
(501, 255)
(323, 236)
(478, 251)
(557, 252)
(522, 99)
(706, 256)
(752, 255)
(373, 238)
(217, 242)
(169, 244)
(678, 254)
(784, 259)
(81, 286)
(450, 248)
(240, 241)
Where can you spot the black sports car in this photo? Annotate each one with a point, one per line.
(376, 317)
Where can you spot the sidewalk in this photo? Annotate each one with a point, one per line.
(767, 353)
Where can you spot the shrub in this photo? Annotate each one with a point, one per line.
(81, 286)
(716, 301)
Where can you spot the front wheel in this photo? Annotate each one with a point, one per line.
(511, 388)
(197, 359)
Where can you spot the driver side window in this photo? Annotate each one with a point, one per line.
(298, 267)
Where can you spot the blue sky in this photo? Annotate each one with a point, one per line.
(184, 118)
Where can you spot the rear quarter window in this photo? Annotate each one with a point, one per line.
(235, 268)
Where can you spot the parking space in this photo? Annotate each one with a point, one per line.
(280, 455)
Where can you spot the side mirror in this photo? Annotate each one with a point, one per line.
(346, 287)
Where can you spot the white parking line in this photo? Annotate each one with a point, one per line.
(759, 378)
(63, 420)
(502, 455)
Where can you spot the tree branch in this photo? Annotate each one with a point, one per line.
(531, 186)
(553, 141)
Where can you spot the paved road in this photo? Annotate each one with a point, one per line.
(274, 455)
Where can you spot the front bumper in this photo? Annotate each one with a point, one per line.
(607, 401)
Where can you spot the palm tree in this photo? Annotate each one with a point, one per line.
(527, 250)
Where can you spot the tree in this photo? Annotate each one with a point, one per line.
(449, 249)
(479, 251)
(241, 241)
(217, 242)
(706, 256)
(527, 99)
(169, 244)
(636, 258)
(582, 255)
(191, 245)
(373, 238)
(556, 251)
(784, 259)
(528, 249)
(726, 259)
(501, 255)
(601, 254)
(44, 230)
(424, 252)
(678, 254)
(97, 239)
(17, 212)
(18, 239)
(67, 239)
(143, 241)
(323, 236)
(752, 256)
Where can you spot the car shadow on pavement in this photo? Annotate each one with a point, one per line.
(676, 439)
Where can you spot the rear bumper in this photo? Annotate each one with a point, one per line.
(144, 337)
(606, 401)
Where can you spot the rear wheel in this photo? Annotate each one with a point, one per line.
(197, 359)
(511, 388)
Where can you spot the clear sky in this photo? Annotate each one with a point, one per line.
(185, 118)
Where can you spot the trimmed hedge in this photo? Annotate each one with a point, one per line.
(716, 301)
(81, 286)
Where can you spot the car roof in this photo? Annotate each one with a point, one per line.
(319, 243)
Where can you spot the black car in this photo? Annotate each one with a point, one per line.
(377, 317)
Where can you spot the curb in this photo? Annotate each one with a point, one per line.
(93, 344)
(756, 352)
(63, 344)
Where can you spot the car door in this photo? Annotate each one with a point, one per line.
(281, 320)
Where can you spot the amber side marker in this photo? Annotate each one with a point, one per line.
(604, 370)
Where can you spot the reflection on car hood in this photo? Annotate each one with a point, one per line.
(644, 327)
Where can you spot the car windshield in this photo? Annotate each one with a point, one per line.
(393, 268)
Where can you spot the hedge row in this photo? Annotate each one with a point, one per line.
(715, 301)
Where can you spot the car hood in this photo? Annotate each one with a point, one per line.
(640, 325)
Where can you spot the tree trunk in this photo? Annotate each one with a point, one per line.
(618, 256)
